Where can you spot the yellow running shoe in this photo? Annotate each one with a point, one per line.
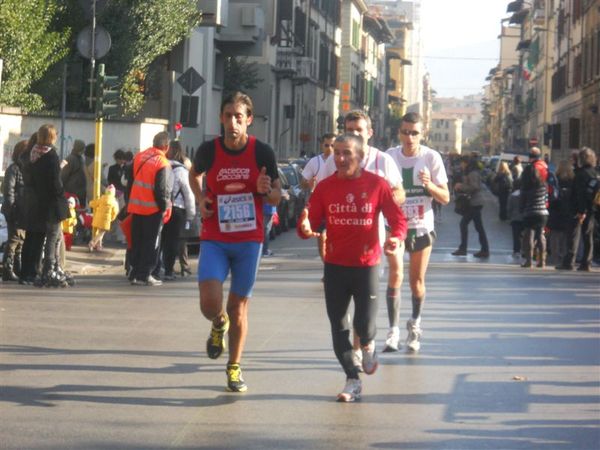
(235, 382)
(216, 340)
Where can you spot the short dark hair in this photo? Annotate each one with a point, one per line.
(90, 150)
(238, 97)
(358, 114)
(412, 117)
(328, 136)
(119, 154)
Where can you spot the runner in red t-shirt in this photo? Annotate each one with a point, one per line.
(349, 202)
(241, 175)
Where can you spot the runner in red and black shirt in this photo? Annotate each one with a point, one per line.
(241, 175)
(349, 203)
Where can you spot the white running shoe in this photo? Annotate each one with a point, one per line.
(369, 358)
(351, 391)
(357, 358)
(151, 281)
(414, 335)
(392, 343)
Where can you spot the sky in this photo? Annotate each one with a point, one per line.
(454, 31)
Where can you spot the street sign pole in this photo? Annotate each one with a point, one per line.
(63, 111)
(98, 157)
(93, 54)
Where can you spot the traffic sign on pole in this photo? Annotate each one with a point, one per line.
(191, 80)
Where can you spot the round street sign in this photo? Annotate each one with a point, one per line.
(102, 42)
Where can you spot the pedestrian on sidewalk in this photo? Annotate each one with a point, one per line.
(472, 187)
(513, 211)
(184, 210)
(534, 205)
(502, 187)
(241, 175)
(586, 187)
(425, 183)
(13, 208)
(73, 173)
(68, 225)
(350, 203)
(105, 210)
(560, 212)
(52, 205)
(150, 206)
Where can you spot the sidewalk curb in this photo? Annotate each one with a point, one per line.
(79, 261)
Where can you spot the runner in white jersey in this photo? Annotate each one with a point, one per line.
(312, 172)
(316, 165)
(377, 162)
(424, 179)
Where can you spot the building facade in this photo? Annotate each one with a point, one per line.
(551, 96)
(446, 134)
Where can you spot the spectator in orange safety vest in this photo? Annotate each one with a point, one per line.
(150, 205)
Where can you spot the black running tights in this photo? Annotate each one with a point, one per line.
(341, 285)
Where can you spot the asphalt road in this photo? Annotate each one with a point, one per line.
(510, 359)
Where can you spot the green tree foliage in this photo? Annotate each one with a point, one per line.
(240, 75)
(141, 32)
(31, 40)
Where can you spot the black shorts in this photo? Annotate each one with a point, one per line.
(416, 244)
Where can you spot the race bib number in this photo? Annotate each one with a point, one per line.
(414, 209)
(236, 212)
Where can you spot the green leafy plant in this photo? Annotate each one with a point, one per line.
(240, 75)
(31, 41)
(141, 32)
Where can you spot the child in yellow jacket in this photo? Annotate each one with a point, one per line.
(105, 211)
(68, 225)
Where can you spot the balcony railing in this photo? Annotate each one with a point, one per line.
(286, 60)
(306, 67)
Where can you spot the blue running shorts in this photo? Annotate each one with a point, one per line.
(216, 259)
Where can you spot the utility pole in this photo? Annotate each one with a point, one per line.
(93, 54)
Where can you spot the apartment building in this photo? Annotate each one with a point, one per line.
(468, 109)
(551, 96)
(445, 135)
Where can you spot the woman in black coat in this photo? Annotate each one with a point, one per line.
(48, 203)
(34, 224)
(560, 211)
(14, 212)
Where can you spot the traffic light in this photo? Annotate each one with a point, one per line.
(107, 94)
(340, 123)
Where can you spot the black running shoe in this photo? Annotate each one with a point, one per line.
(235, 382)
(216, 340)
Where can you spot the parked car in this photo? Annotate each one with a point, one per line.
(297, 195)
(291, 205)
(300, 162)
